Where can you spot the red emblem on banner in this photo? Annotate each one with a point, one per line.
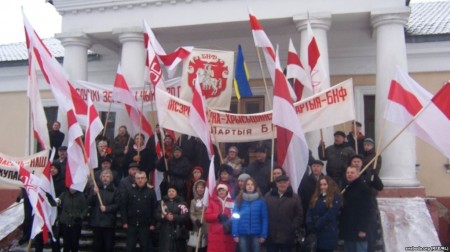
(212, 71)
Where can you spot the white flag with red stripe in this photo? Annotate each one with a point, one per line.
(47, 186)
(210, 183)
(198, 119)
(261, 40)
(319, 75)
(121, 93)
(38, 200)
(407, 99)
(292, 149)
(93, 129)
(296, 71)
(170, 60)
(54, 73)
(158, 178)
(38, 118)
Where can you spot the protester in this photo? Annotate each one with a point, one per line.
(276, 172)
(359, 136)
(56, 136)
(232, 159)
(225, 173)
(323, 213)
(218, 216)
(106, 164)
(337, 156)
(285, 216)
(105, 202)
(250, 219)
(126, 183)
(62, 160)
(309, 183)
(196, 175)
(356, 213)
(122, 144)
(196, 209)
(141, 154)
(137, 212)
(103, 152)
(239, 187)
(178, 170)
(73, 210)
(172, 215)
(260, 170)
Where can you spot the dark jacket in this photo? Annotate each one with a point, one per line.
(168, 241)
(74, 208)
(138, 206)
(285, 216)
(56, 138)
(111, 200)
(356, 211)
(252, 220)
(118, 148)
(179, 171)
(261, 173)
(59, 183)
(325, 222)
(116, 179)
(148, 159)
(360, 139)
(367, 157)
(306, 189)
(338, 157)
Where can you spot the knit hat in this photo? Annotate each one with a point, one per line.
(222, 186)
(369, 141)
(243, 177)
(198, 168)
(233, 148)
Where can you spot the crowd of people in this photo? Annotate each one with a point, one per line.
(252, 205)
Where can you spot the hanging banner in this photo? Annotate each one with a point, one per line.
(9, 176)
(101, 94)
(327, 108)
(215, 70)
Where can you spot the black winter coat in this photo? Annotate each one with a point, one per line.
(306, 189)
(285, 216)
(356, 212)
(179, 171)
(111, 200)
(74, 208)
(338, 157)
(139, 206)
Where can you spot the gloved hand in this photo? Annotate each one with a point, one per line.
(222, 218)
(198, 223)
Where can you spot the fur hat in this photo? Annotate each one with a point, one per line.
(222, 186)
(233, 148)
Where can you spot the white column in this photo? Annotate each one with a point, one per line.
(320, 24)
(132, 64)
(398, 169)
(76, 46)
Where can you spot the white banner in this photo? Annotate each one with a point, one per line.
(101, 94)
(216, 71)
(327, 108)
(9, 176)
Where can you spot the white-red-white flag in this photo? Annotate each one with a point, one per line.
(38, 200)
(38, 118)
(296, 71)
(319, 76)
(54, 73)
(93, 129)
(210, 183)
(121, 93)
(435, 120)
(262, 40)
(158, 178)
(48, 187)
(170, 60)
(292, 149)
(198, 119)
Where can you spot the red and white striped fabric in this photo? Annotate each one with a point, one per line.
(296, 71)
(261, 40)
(210, 183)
(158, 177)
(292, 149)
(319, 76)
(38, 118)
(68, 99)
(408, 101)
(170, 60)
(93, 129)
(54, 73)
(198, 119)
(38, 200)
(121, 93)
(47, 186)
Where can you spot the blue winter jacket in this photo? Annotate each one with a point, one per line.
(325, 222)
(250, 218)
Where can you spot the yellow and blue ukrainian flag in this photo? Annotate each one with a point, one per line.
(241, 77)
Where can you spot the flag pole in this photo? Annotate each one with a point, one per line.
(392, 140)
(208, 112)
(106, 119)
(200, 229)
(383, 126)
(140, 123)
(91, 172)
(355, 137)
